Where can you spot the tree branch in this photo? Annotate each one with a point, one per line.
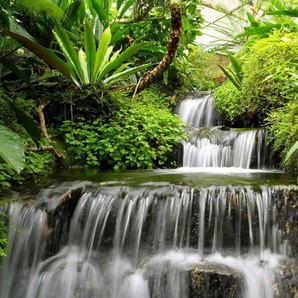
(47, 148)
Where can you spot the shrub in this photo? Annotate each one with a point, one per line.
(193, 71)
(283, 128)
(268, 74)
(139, 137)
(230, 104)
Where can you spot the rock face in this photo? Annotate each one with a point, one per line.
(286, 204)
(203, 280)
(286, 280)
(215, 280)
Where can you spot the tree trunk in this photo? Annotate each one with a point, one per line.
(172, 46)
(42, 121)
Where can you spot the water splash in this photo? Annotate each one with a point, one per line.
(127, 242)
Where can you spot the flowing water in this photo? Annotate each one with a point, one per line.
(211, 231)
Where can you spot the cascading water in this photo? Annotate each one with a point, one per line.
(210, 146)
(161, 234)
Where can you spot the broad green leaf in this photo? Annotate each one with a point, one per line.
(11, 148)
(293, 149)
(231, 77)
(68, 50)
(84, 66)
(102, 13)
(121, 59)
(121, 68)
(288, 12)
(102, 50)
(45, 54)
(72, 13)
(261, 30)
(28, 123)
(90, 49)
(115, 55)
(119, 3)
(252, 20)
(236, 65)
(127, 5)
(125, 74)
(117, 35)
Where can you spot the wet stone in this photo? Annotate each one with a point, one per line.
(286, 279)
(216, 280)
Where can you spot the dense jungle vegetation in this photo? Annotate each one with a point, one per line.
(82, 86)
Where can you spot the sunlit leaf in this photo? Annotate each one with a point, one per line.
(291, 152)
(11, 148)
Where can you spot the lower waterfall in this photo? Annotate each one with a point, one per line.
(220, 226)
(152, 240)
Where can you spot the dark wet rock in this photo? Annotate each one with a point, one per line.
(286, 202)
(195, 281)
(286, 280)
(59, 222)
(215, 280)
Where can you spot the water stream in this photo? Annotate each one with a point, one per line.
(210, 230)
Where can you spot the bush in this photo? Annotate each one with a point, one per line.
(283, 128)
(269, 70)
(192, 72)
(230, 103)
(139, 137)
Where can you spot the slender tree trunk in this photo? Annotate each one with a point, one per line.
(172, 46)
(42, 121)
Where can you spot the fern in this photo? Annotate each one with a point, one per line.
(50, 9)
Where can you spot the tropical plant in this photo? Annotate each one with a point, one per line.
(142, 135)
(269, 74)
(235, 71)
(192, 71)
(11, 148)
(230, 103)
(283, 128)
(93, 65)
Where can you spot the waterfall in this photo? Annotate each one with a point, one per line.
(210, 146)
(144, 242)
(220, 226)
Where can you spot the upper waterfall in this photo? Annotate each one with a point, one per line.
(209, 145)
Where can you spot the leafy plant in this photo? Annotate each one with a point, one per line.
(268, 78)
(235, 72)
(192, 71)
(230, 103)
(92, 65)
(139, 137)
(11, 148)
(3, 235)
(283, 128)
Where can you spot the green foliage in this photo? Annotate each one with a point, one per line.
(3, 235)
(94, 64)
(47, 8)
(235, 72)
(276, 15)
(230, 103)
(193, 71)
(283, 128)
(269, 70)
(11, 148)
(140, 136)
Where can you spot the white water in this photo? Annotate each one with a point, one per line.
(145, 241)
(209, 146)
(139, 242)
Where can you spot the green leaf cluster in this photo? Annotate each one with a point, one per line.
(94, 63)
(230, 102)
(3, 235)
(139, 137)
(283, 127)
